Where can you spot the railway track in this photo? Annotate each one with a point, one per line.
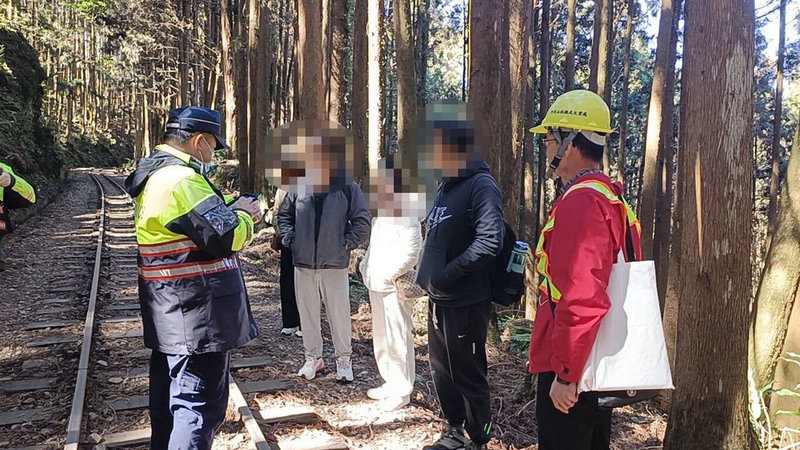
(92, 333)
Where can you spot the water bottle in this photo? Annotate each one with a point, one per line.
(516, 263)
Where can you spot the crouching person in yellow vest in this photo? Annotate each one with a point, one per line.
(193, 298)
(15, 193)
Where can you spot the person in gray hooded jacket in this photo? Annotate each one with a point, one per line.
(321, 229)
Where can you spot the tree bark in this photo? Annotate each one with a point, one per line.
(422, 49)
(360, 64)
(529, 216)
(518, 21)
(406, 76)
(228, 71)
(774, 179)
(337, 110)
(778, 290)
(569, 63)
(544, 105)
(310, 81)
(599, 71)
(709, 407)
(374, 81)
(655, 133)
(242, 96)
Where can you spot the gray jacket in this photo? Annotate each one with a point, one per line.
(343, 226)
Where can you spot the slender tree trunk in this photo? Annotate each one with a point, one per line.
(183, 49)
(599, 79)
(518, 22)
(774, 179)
(485, 73)
(360, 77)
(422, 49)
(544, 105)
(623, 117)
(310, 82)
(569, 76)
(655, 134)
(709, 406)
(529, 212)
(406, 76)
(229, 74)
(779, 288)
(337, 110)
(242, 96)
(374, 81)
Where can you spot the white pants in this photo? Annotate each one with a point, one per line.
(393, 340)
(333, 288)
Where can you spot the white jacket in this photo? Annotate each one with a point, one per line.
(394, 247)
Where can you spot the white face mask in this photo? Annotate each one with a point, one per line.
(208, 168)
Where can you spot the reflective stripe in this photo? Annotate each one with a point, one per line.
(167, 248)
(187, 270)
(543, 265)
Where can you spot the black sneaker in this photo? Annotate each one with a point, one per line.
(474, 446)
(453, 438)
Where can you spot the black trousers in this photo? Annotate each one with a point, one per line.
(289, 313)
(188, 399)
(586, 427)
(457, 348)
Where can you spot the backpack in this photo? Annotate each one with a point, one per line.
(507, 286)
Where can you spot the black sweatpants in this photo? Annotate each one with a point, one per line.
(586, 427)
(289, 313)
(457, 348)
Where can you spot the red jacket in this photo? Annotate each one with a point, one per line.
(588, 234)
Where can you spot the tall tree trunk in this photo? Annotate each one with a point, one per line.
(600, 65)
(518, 21)
(374, 81)
(569, 64)
(242, 96)
(662, 235)
(709, 407)
(360, 77)
(774, 179)
(183, 58)
(259, 65)
(422, 49)
(485, 73)
(337, 110)
(529, 216)
(406, 76)
(310, 82)
(780, 283)
(626, 71)
(544, 105)
(655, 119)
(229, 74)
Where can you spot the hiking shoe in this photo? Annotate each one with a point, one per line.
(379, 393)
(344, 369)
(394, 403)
(290, 331)
(311, 368)
(474, 446)
(453, 438)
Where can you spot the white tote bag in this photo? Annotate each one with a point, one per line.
(630, 353)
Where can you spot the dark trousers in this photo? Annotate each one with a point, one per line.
(188, 399)
(2, 256)
(289, 313)
(457, 347)
(586, 427)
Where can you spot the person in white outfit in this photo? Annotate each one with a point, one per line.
(394, 245)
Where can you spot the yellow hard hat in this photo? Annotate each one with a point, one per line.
(578, 110)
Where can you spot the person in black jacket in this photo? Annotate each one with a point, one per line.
(464, 235)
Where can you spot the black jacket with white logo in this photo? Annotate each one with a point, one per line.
(464, 235)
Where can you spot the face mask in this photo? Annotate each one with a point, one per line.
(208, 169)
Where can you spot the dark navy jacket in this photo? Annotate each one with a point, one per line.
(464, 235)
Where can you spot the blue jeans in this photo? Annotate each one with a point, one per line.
(188, 399)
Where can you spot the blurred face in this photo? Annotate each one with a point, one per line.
(446, 156)
(567, 160)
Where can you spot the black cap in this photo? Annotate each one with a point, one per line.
(198, 119)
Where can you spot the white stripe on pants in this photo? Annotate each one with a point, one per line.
(333, 288)
(393, 340)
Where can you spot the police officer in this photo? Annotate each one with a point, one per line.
(194, 303)
(15, 193)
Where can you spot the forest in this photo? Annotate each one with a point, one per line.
(704, 95)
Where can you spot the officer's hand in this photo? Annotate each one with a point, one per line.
(564, 396)
(5, 178)
(249, 205)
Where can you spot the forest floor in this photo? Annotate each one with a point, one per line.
(345, 411)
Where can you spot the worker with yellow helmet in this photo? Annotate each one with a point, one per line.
(589, 225)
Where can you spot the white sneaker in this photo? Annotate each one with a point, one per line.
(344, 369)
(311, 368)
(379, 393)
(298, 333)
(395, 403)
(289, 331)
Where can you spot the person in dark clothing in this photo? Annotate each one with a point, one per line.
(464, 234)
(289, 313)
